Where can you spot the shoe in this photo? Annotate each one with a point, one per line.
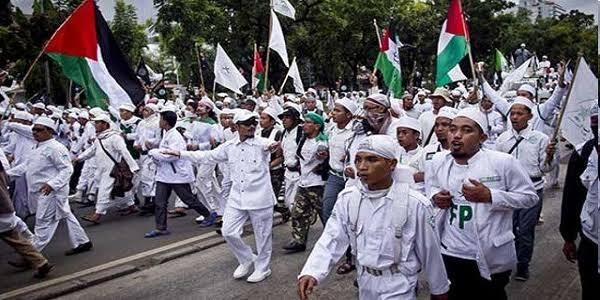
(80, 249)
(522, 273)
(129, 211)
(156, 233)
(294, 247)
(242, 270)
(210, 221)
(199, 219)
(93, 218)
(258, 277)
(76, 197)
(43, 271)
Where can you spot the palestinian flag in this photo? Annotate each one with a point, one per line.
(388, 63)
(258, 72)
(89, 55)
(452, 47)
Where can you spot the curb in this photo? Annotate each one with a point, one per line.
(71, 283)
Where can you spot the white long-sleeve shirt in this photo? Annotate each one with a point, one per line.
(531, 152)
(338, 142)
(369, 225)
(485, 228)
(21, 143)
(249, 161)
(148, 133)
(171, 169)
(496, 126)
(540, 112)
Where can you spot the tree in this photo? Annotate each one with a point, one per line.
(130, 35)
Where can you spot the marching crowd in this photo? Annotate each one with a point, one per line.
(449, 182)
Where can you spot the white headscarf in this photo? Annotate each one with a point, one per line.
(387, 147)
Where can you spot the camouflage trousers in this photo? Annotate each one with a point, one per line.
(277, 181)
(307, 205)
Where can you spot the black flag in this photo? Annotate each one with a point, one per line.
(142, 72)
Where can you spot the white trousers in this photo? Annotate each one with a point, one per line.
(291, 188)
(396, 286)
(147, 176)
(46, 224)
(87, 178)
(262, 224)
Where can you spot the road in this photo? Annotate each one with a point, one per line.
(115, 238)
(207, 274)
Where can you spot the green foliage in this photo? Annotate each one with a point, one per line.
(130, 35)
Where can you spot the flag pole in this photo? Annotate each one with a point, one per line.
(564, 106)
(286, 77)
(378, 41)
(268, 47)
(199, 65)
(468, 37)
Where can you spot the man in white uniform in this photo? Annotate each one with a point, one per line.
(251, 194)
(47, 173)
(477, 191)
(439, 99)
(389, 227)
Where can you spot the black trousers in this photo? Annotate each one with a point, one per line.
(161, 201)
(467, 283)
(587, 260)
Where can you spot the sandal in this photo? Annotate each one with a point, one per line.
(176, 214)
(156, 233)
(89, 219)
(345, 268)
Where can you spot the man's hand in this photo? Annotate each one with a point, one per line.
(477, 192)
(550, 150)
(137, 147)
(322, 155)
(570, 251)
(442, 199)
(46, 189)
(274, 147)
(562, 67)
(349, 172)
(419, 177)
(170, 152)
(191, 147)
(306, 284)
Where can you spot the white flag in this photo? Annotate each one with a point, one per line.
(515, 76)
(276, 40)
(285, 8)
(582, 98)
(226, 74)
(295, 75)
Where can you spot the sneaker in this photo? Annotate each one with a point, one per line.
(210, 221)
(242, 270)
(258, 276)
(522, 273)
(199, 219)
(80, 249)
(294, 247)
(43, 271)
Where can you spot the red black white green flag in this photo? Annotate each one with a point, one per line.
(89, 55)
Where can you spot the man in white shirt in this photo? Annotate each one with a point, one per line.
(148, 134)
(291, 120)
(408, 105)
(48, 172)
(531, 148)
(477, 191)
(388, 225)
(494, 120)
(439, 99)
(251, 194)
(172, 175)
(312, 152)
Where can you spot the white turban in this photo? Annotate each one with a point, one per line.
(347, 104)
(387, 147)
(380, 99)
(408, 122)
(527, 88)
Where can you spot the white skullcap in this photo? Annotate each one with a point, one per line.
(347, 104)
(97, 111)
(84, 115)
(39, 105)
(395, 106)
(73, 115)
(45, 121)
(475, 115)
(522, 101)
(128, 107)
(456, 92)
(527, 88)
(381, 145)
(294, 106)
(169, 107)
(273, 113)
(447, 112)
(21, 106)
(409, 122)
(207, 102)
(421, 93)
(151, 106)
(102, 117)
(227, 100)
(243, 115)
(23, 115)
(227, 111)
(380, 99)
(222, 95)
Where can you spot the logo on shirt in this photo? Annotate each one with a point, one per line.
(429, 155)
(464, 213)
(490, 179)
